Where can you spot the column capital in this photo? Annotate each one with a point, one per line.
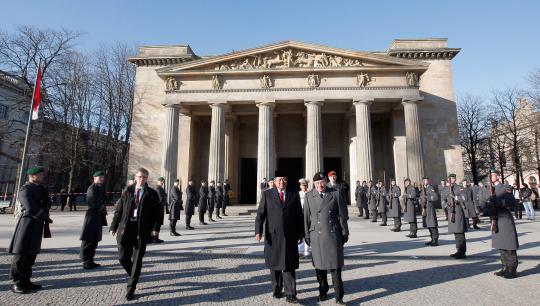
(411, 100)
(265, 103)
(217, 102)
(313, 102)
(363, 101)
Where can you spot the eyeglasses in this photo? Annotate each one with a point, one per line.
(141, 176)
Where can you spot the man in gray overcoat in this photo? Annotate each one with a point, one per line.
(219, 199)
(364, 194)
(93, 221)
(394, 209)
(382, 202)
(175, 206)
(280, 219)
(504, 234)
(456, 224)
(212, 197)
(325, 221)
(372, 196)
(470, 209)
(26, 241)
(409, 208)
(443, 194)
(428, 198)
(203, 200)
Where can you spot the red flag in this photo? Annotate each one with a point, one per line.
(37, 95)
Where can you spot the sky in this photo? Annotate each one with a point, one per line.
(499, 39)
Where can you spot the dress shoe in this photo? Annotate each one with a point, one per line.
(219, 217)
(476, 227)
(277, 295)
(212, 220)
(94, 265)
(323, 297)
(374, 221)
(501, 272)
(19, 289)
(340, 302)
(88, 266)
(190, 228)
(175, 234)
(32, 286)
(510, 273)
(225, 215)
(413, 236)
(130, 295)
(292, 299)
(366, 217)
(434, 243)
(429, 243)
(382, 224)
(203, 223)
(460, 256)
(396, 230)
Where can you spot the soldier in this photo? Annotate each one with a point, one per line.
(330, 232)
(212, 199)
(373, 201)
(94, 219)
(394, 210)
(131, 179)
(226, 189)
(203, 201)
(219, 199)
(443, 194)
(303, 248)
(428, 197)
(160, 188)
(382, 202)
(364, 199)
(470, 209)
(457, 225)
(341, 187)
(409, 208)
(270, 184)
(279, 215)
(263, 185)
(136, 219)
(503, 234)
(357, 198)
(191, 199)
(482, 197)
(175, 207)
(31, 227)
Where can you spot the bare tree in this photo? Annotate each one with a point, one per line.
(533, 94)
(473, 131)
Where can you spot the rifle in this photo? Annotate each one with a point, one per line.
(424, 202)
(405, 197)
(378, 196)
(493, 208)
(452, 204)
(46, 227)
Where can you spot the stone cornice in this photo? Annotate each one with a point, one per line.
(368, 88)
(160, 61)
(425, 54)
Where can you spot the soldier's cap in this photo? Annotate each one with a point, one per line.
(392, 180)
(303, 182)
(212, 181)
(35, 170)
(280, 173)
(425, 178)
(271, 179)
(161, 179)
(131, 177)
(332, 173)
(98, 173)
(319, 176)
(177, 181)
(407, 179)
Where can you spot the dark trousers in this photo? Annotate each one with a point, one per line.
(21, 268)
(518, 210)
(374, 214)
(424, 223)
(284, 280)
(201, 215)
(172, 225)
(461, 243)
(509, 259)
(217, 211)
(360, 212)
(366, 212)
(225, 203)
(188, 220)
(446, 213)
(434, 233)
(384, 218)
(130, 253)
(397, 222)
(88, 250)
(336, 281)
(413, 228)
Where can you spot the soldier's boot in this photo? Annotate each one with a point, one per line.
(223, 212)
(435, 242)
(475, 223)
(374, 216)
(434, 237)
(510, 272)
(384, 219)
(210, 216)
(430, 242)
(502, 272)
(366, 214)
(217, 214)
(413, 229)
(360, 212)
(446, 214)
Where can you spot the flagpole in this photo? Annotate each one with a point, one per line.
(22, 177)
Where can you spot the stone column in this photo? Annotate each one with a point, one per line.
(415, 160)
(353, 168)
(314, 145)
(265, 144)
(216, 157)
(364, 147)
(170, 146)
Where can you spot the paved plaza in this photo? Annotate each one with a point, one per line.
(223, 264)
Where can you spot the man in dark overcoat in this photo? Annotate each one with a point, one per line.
(212, 198)
(280, 219)
(382, 202)
(219, 199)
(364, 199)
(504, 235)
(325, 221)
(226, 189)
(93, 220)
(409, 208)
(163, 203)
(443, 190)
(203, 200)
(357, 198)
(26, 241)
(456, 223)
(373, 191)
(175, 207)
(428, 198)
(135, 221)
(394, 208)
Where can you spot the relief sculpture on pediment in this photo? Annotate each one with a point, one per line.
(289, 58)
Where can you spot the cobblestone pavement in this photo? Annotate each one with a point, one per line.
(222, 264)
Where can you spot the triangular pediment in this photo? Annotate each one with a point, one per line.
(291, 55)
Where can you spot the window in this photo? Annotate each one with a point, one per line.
(3, 111)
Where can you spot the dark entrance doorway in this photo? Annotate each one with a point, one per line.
(248, 181)
(333, 163)
(293, 168)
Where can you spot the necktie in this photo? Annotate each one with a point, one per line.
(322, 195)
(281, 198)
(138, 196)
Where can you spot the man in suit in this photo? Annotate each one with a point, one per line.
(190, 204)
(280, 216)
(203, 201)
(219, 199)
(325, 221)
(160, 188)
(31, 227)
(136, 219)
(175, 207)
(226, 189)
(94, 219)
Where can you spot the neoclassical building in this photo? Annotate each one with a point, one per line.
(297, 108)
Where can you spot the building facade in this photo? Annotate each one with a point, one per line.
(298, 108)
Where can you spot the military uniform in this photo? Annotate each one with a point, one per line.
(94, 220)
(382, 204)
(456, 224)
(219, 199)
(226, 189)
(175, 206)
(203, 203)
(394, 210)
(364, 197)
(211, 201)
(372, 191)
(428, 197)
(409, 210)
(469, 207)
(505, 239)
(443, 194)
